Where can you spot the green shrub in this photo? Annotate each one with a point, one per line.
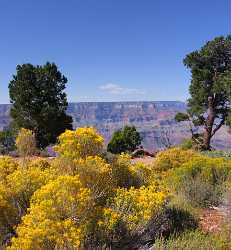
(200, 193)
(125, 140)
(217, 154)
(7, 142)
(172, 221)
(108, 157)
(186, 144)
(121, 172)
(179, 201)
(201, 180)
(212, 170)
(192, 240)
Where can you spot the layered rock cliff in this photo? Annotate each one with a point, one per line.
(154, 120)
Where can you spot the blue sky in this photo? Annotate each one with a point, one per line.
(110, 50)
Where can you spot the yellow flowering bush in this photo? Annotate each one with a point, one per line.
(172, 158)
(80, 201)
(142, 173)
(136, 206)
(8, 212)
(211, 170)
(110, 219)
(7, 166)
(96, 175)
(39, 163)
(17, 185)
(80, 143)
(57, 218)
(25, 142)
(121, 172)
(22, 183)
(93, 171)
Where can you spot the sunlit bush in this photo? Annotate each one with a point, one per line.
(94, 173)
(201, 179)
(80, 143)
(17, 185)
(212, 170)
(22, 183)
(57, 218)
(39, 163)
(25, 142)
(121, 172)
(7, 166)
(142, 173)
(172, 158)
(135, 206)
(80, 200)
(8, 214)
(8, 211)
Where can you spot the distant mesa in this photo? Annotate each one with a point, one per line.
(150, 118)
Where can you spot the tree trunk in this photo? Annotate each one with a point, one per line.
(206, 140)
(209, 125)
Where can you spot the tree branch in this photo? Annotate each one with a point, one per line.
(218, 127)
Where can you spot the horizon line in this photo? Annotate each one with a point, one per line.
(112, 101)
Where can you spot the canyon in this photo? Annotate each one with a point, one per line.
(153, 119)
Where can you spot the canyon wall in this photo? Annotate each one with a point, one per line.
(154, 120)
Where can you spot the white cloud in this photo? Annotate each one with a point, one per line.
(111, 88)
(116, 89)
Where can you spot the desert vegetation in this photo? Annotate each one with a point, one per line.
(93, 196)
(87, 199)
(209, 104)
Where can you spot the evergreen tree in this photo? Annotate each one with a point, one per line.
(125, 140)
(210, 88)
(39, 101)
(7, 141)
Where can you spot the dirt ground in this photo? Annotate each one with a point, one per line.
(214, 219)
(146, 160)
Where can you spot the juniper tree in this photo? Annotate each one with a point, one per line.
(39, 101)
(124, 140)
(210, 87)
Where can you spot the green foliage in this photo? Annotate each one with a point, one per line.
(201, 180)
(179, 117)
(187, 144)
(200, 193)
(81, 201)
(211, 61)
(7, 142)
(121, 172)
(39, 101)
(195, 143)
(125, 140)
(217, 153)
(210, 85)
(191, 240)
